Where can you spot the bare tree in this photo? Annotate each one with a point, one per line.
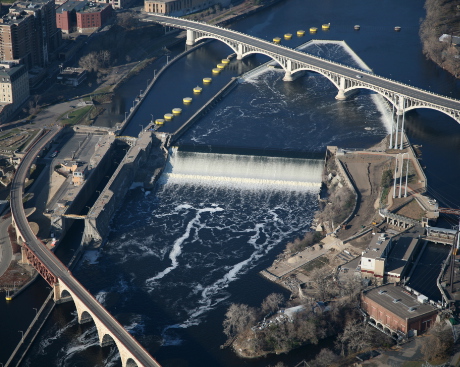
(438, 344)
(356, 336)
(322, 282)
(324, 358)
(126, 20)
(238, 318)
(272, 303)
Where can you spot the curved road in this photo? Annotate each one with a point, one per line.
(302, 57)
(56, 267)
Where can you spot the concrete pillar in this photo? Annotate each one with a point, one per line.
(288, 75)
(190, 37)
(239, 53)
(24, 256)
(57, 292)
(341, 94)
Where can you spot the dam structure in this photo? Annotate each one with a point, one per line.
(243, 168)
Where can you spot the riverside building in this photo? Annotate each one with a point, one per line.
(180, 7)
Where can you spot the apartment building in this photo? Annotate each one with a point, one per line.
(28, 33)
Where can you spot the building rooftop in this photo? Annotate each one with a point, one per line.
(398, 301)
(400, 254)
(81, 6)
(7, 70)
(377, 246)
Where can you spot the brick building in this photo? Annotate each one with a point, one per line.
(180, 7)
(82, 16)
(398, 312)
(28, 33)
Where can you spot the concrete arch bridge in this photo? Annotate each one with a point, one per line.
(346, 79)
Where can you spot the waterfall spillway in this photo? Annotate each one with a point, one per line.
(243, 170)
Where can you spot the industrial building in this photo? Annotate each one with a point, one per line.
(398, 312)
(82, 16)
(180, 7)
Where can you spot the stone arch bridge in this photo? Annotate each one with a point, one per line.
(65, 286)
(346, 79)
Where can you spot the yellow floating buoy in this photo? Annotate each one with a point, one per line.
(221, 66)
(287, 36)
(300, 33)
(177, 111)
(207, 80)
(225, 61)
(357, 27)
(8, 298)
(197, 89)
(159, 121)
(187, 100)
(169, 116)
(277, 40)
(313, 29)
(397, 29)
(215, 71)
(326, 27)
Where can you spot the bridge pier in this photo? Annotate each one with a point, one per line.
(239, 53)
(191, 36)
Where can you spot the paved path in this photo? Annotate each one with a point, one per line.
(6, 252)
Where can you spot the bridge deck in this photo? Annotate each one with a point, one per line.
(57, 268)
(268, 48)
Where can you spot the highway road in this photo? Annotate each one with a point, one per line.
(302, 57)
(56, 267)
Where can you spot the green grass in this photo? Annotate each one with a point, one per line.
(75, 116)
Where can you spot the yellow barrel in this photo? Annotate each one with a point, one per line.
(159, 121)
(207, 80)
(187, 100)
(220, 66)
(397, 29)
(276, 40)
(326, 26)
(287, 36)
(197, 89)
(215, 71)
(177, 111)
(313, 29)
(357, 27)
(169, 116)
(225, 61)
(8, 298)
(300, 33)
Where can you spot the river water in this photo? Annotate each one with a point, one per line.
(178, 256)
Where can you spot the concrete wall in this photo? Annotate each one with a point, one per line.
(98, 219)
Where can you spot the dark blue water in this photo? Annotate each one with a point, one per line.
(178, 256)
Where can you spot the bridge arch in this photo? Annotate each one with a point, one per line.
(131, 363)
(410, 108)
(265, 54)
(210, 36)
(318, 72)
(104, 335)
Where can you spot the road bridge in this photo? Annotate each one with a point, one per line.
(347, 79)
(35, 253)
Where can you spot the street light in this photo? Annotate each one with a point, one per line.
(126, 113)
(167, 59)
(147, 85)
(142, 127)
(36, 311)
(140, 93)
(22, 335)
(155, 74)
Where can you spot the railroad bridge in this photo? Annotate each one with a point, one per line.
(346, 79)
(65, 286)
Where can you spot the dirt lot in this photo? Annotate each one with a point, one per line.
(366, 170)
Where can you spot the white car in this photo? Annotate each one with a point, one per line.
(359, 76)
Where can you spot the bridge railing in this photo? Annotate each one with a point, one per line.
(312, 56)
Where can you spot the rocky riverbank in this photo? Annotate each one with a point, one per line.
(442, 18)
